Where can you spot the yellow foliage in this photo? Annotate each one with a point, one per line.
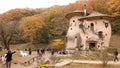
(57, 43)
(45, 66)
(16, 14)
(30, 25)
(97, 5)
(114, 7)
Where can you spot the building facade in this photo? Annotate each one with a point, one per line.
(93, 30)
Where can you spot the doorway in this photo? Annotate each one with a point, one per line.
(92, 46)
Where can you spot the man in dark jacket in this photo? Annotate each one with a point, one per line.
(9, 58)
(116, 55)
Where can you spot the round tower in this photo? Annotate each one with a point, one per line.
(98, 30)
(73, 35)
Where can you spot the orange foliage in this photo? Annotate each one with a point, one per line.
(114, 7)
(73, 6)
(78, 5)
(98, 5)
(16, 14)
(30, 25)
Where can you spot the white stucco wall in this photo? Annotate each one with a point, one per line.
(86, 34)
(73, 31)
(99, 25)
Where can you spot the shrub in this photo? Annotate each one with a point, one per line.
(104, 57)
(45, 66)
(57, 44)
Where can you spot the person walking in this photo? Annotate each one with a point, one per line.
(52, 52)
(38, 51)
(9, 58)
(116, 55)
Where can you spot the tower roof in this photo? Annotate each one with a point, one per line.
(97, 15)
(74, 13)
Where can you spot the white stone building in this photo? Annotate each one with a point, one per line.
(93, 30)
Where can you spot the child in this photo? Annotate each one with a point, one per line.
(3, 60)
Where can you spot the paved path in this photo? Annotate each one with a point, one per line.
(64, 62)
(68, 61)
(94, 62)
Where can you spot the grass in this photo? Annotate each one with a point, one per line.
(73, 65)
(28, 45)
(77, 56)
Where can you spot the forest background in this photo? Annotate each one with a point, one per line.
(49, 25)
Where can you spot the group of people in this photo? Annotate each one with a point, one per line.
(42, 51)
(7, 58)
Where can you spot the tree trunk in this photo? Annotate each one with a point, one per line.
(7, 46)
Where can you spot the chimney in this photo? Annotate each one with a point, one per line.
(85, 10)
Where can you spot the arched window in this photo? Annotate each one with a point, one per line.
(106, 24)
(92, 27)
(92, 24)
(100, 34)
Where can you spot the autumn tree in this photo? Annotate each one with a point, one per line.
(114, 7)
(114, 10)
(98, 5)
(43, 35)
(73, 6)
(8, 23)
(30, 25)
(37, 11)
(6, 32)
(17, 14)
(116, 27)
(55, 21)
